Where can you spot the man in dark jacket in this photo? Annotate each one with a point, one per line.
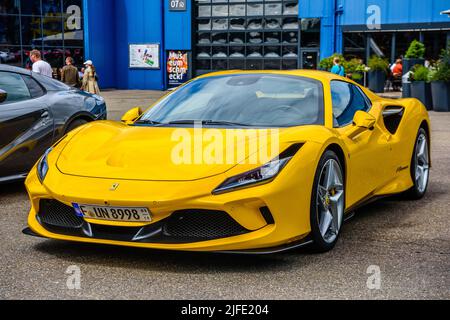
(69, 74)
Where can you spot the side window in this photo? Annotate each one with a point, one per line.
(347, 100)
(35, 89)
(14, 86)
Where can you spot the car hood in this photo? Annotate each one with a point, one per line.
(116, 151)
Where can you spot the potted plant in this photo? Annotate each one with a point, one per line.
(414, 56)
(359, 75)
(377, 73)
(440, 83)
(355, 70)
(420, 85)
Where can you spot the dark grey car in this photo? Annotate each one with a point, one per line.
(35, 112)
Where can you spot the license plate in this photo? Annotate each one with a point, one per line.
(122, 214)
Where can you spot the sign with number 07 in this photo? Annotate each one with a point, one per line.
(177, 5)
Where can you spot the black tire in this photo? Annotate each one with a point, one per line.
(415, 193)
(319, 244)
(75, 124)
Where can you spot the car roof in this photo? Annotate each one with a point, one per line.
(314, 74)
(4, 67)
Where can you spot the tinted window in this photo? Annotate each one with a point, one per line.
(14, 86)
(347, 100)
(35, 89)
(32, 7)
(10, 6)
(49, 83)
(9, 31)
(254, 100)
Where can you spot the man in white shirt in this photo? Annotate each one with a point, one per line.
(40, 66)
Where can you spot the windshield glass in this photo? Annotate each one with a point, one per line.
(258, 100)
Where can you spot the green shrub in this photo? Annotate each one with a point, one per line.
(441, 71)
(351, 66)
(378, 64)
(420, 73)
(356, 76)
(327, 63)
(355, 69)
(416, 50)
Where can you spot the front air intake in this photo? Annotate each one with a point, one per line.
(57, 214)
(202, 225)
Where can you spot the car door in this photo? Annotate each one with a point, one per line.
(26, 124)
(369, 152)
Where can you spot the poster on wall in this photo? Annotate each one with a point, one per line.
(178, 69)
(144, 56)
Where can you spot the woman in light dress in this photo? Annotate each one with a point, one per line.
(90, 79)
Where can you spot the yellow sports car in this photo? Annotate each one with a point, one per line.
(249, 162)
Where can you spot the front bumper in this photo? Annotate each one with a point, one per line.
(286, 225)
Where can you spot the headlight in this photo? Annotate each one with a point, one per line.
(42, 167)
(98, 100)
(262, 175)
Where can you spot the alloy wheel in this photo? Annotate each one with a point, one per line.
(422, 163)
(330, 201)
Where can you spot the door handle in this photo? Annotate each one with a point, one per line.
(45, 115)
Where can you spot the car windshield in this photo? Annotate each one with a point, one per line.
(258, 100)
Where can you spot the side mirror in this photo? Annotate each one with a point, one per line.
(132, 115)
(3, 96)
(362, 122)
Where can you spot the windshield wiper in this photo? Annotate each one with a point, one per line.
(148, 122)
(210, 122)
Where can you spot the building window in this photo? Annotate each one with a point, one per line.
(393, 45)
(403, 40)
(55, 27)
(310, 33)
(380, 44)
(245, 34)
(435, 42)
(355, 45)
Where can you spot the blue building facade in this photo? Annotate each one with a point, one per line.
(193, 37)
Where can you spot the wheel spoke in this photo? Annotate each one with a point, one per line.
(330, 176)
(322, 192)
(422, 148)
(325, 224)
(321, 197)
(422, 151)
(338, 181)
(419, 173)
(336, 208)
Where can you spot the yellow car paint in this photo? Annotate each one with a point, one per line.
(138, 159)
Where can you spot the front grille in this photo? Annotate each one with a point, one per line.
(202, 224)
(181, 227)
(57, 214)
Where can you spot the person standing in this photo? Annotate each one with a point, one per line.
(69, 74)
(397, 69)
(90, 79)
(338, 68)
(40, 66)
